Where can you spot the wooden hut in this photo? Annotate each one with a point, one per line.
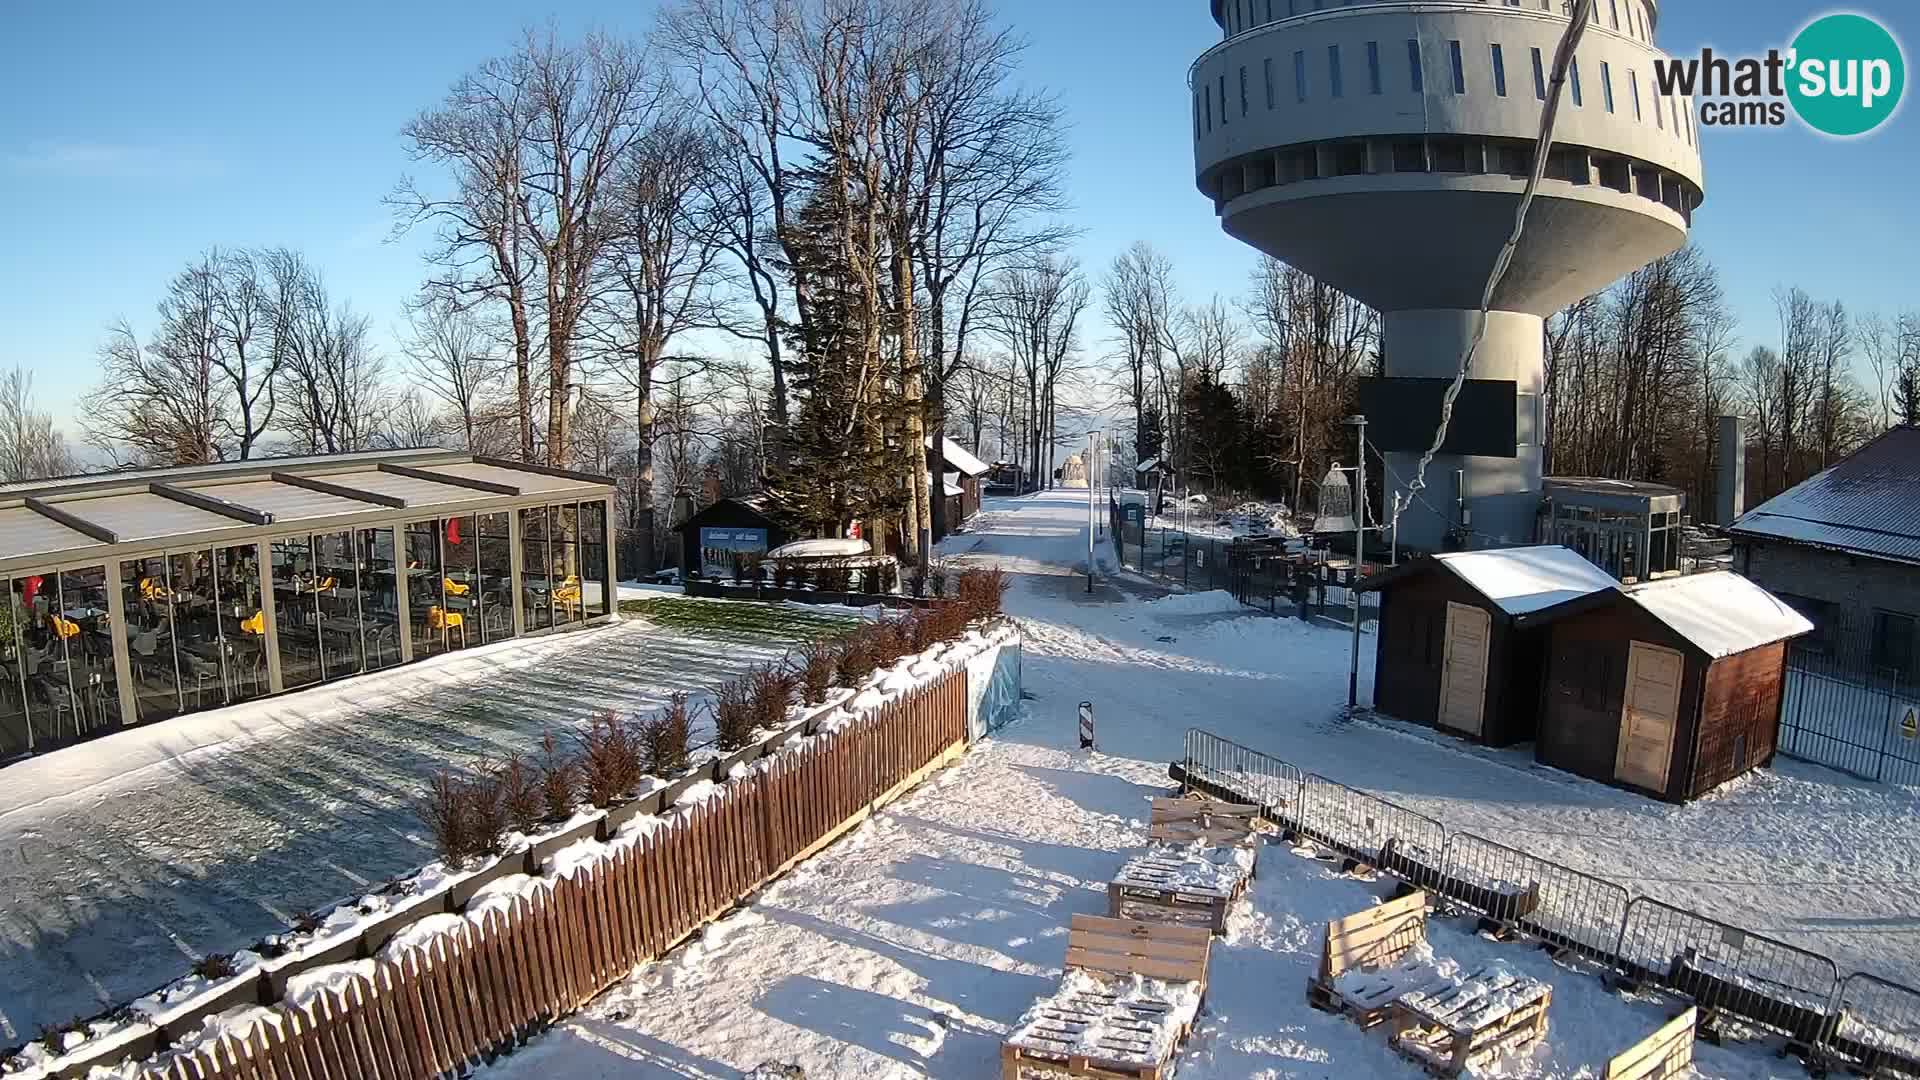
(1450, 652)
(1670, 688)
(957, 476)
(715, 539)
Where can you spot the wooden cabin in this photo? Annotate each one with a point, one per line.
(714, 540)
(956, 476)
(1450, 653)
(1670, 688)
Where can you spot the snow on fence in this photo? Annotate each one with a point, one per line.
(450, 990)
(1878, 1027)
(1403, 842)
(1721, 966)
(1213, 764)
(1865, 1020)
(1548, 901)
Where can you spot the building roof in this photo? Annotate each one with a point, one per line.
(755, 506)
(958, 457)
(1148, 465)
(1868, 504)
(133, 512)
(1720, 612)
(1527, 579)
(1601, 485)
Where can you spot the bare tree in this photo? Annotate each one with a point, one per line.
(658, 280)
(448, 354)
(31, 448)
(158, 404)
(329, 376)
(411, 422)
(1036, 312)
(1138, 300)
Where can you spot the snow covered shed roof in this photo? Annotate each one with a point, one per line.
(958, 457)
(1720, 612)
(1868, 504)
(1520, 581)
(1148, 465)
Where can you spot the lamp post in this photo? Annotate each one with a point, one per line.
(1359, 424)
(1091, 516)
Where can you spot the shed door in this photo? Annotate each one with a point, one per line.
(1652, 705)
(1463, 672)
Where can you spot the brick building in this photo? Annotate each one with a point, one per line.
(1843, 547)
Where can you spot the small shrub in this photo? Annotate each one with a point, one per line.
(486, 813)
(981, 591)
(215, 966)
(521, 797)
(734, 718)
(751, 565)
(772, 686)
(309, 922)
(54, 1036)
(443, 810)
(816, 670)
(271, 948)
(786, 573)
(612, 761)
(917, 581)
(892, 639)
(665, 737)
(923, 629)
(559, 779)
(939, 573)
(853, 660)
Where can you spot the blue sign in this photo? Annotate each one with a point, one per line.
(721, 549)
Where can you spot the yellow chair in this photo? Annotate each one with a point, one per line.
(151, 590)
(257, 625)
(568, 595)
(453, 587)
(324, 584)
(447, 620)
(65, 627)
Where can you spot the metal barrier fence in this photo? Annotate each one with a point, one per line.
(1878, 1026)
(1411, 845)
(1249, 775)
(1721, 966)
(1849, 714)
(1548, 901)
(1866, 1021)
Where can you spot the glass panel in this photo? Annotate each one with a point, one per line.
(460, 547)
(337, 589)
(379, 597)
(196, 651)
(425, 603)
(82, 625)
(565, 532)
(496, 576)
(296, 615)
(243, 623)
(47, 695)
(593, 557)
(535, 569)
(16, 662)
(147, 594)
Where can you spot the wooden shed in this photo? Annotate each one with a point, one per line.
(713, 540)
(1450, 652)
(1670, 688)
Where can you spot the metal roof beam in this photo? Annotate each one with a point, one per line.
(374, 498)
(77, 524)
(542, 470)
(428, 475)
(212, 504)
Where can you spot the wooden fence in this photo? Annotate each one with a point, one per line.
(517, 963)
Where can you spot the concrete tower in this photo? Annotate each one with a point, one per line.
(1382, 145)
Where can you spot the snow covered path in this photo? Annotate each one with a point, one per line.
(116, 887)
(910, 948)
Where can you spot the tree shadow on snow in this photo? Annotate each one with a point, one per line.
(884, 1026)
(583, 1048)
(1099, 793)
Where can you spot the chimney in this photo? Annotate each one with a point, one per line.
(1730, 492)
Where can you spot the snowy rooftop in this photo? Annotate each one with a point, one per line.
(1721, 612)
(958, 457)
(1528, 579)
(1869, 503)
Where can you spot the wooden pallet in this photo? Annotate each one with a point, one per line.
(1449, 1031)
(1368, 942)
(1147, 888)
(1666, 1053)
(1204, 821)
(1120, 949)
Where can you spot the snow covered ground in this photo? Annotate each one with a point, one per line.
(910, 948)
(125, 859)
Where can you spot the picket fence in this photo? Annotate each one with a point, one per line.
(1862, 1022)
(522, 961)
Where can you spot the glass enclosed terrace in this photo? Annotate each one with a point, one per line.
(138, 596)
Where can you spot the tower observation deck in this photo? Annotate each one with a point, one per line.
(1383, 145)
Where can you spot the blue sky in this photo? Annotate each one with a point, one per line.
(134, 136)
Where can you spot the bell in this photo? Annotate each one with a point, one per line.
(1336, 504)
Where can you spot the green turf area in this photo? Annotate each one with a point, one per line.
(738, 618)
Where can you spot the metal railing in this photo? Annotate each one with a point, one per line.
(1542, 899)
(1865, 1021)
(1849, 714)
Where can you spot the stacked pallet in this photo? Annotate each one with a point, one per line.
(1201, 855)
